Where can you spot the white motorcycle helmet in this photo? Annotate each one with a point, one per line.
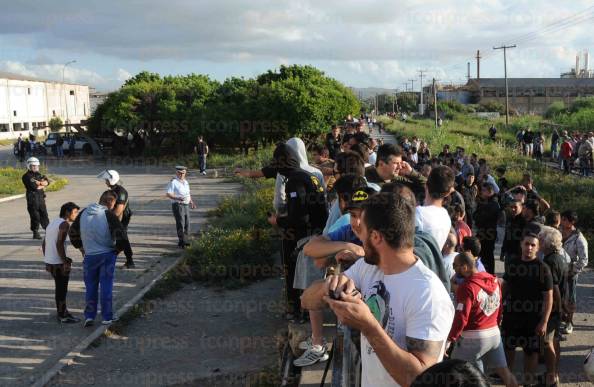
(589, 365)
(112, 176)
(31, 161)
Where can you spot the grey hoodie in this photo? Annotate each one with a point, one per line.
(279, 201)
(99, 231)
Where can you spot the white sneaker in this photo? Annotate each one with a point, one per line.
(307, 344)
(89, 322)
(113, 319)
(315, 354)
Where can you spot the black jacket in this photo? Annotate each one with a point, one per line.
(307, 210)
(30, 180)
(485, 218)
(513, 236)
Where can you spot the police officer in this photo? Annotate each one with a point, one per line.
(178, 191)
(122, 205)
(35, 184)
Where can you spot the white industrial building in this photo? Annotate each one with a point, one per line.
(27, 105)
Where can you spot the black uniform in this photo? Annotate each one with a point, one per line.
(35, 200)
(122, 198)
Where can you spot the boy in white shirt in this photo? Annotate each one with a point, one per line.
(432, 217)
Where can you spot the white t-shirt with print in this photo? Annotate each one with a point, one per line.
(413, 303)
(435, 221)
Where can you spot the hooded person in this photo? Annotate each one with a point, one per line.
(306, 210)
(300, 153)
(475, 330)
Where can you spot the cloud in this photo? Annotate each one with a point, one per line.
(381, 41)
(53, 72)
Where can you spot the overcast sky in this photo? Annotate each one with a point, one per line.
(359, 42)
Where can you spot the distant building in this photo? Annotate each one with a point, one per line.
(530, 95)
(27, 104)
(526, 95)
(96, 98)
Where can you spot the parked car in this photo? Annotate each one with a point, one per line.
(81, 144)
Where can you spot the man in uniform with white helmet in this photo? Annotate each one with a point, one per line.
(122, 206)
(35, 184)
(178, 191)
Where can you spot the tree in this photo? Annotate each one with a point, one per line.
(293, 100)
(55, 124)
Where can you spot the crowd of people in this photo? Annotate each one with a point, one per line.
(571, 151)
(400, 244)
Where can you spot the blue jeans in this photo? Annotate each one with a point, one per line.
(98, 272)
(202, 163)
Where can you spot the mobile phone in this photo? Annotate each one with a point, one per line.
(335, 295)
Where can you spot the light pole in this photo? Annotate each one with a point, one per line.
(66, 96)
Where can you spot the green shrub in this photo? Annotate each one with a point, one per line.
(555, 109)
(231, 256)
(578, 104)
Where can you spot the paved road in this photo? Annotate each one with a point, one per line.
(31, 340)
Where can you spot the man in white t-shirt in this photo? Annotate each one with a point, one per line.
(432, 217)
(402, 309)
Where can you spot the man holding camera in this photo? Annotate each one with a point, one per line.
(400, 306)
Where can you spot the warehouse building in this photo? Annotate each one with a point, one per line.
(529, 95)
(28, 104)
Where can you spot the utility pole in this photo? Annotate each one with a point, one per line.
(412, 84)
(421, 106)
(478, 64)
(435, 101)
(405, 86)
(468, 74)
(504, 47)
(66, 123)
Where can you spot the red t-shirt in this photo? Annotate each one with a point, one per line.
(478, 305)
(566, 150)
(462, 231)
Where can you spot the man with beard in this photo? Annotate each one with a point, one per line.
(403, 311)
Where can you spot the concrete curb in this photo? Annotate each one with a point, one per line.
(84, 344)
(10, 198)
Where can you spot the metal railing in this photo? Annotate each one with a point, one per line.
(346, 367)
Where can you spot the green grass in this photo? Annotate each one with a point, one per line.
(11, 182)
(561, 191)
(7, 142)
(237, 248)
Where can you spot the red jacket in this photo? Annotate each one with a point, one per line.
(478, 305)
(566, 150)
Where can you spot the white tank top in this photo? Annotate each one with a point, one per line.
(51, 237)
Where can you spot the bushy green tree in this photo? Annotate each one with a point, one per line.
(170, 111)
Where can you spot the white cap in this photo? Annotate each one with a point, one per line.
(32, 161)
(110, 175)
